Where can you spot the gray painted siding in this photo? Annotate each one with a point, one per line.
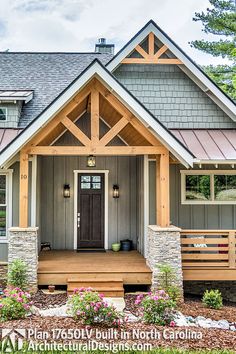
(192, 216)
(172, 96)
(3, 252)
(13, 115)
(57, 213)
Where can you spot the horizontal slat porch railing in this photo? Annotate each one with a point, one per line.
(208, 248)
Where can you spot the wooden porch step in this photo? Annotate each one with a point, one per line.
(108, 287)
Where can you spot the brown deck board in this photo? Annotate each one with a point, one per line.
(57, 266)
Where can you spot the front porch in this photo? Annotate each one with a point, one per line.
(102, 270)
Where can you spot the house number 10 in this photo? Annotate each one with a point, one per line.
(23, 176)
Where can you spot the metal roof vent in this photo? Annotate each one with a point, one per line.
(103, 47)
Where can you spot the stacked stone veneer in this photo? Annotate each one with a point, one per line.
(23, 244)
(3, 275)
(163, 247)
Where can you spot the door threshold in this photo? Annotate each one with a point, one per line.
(91, 250)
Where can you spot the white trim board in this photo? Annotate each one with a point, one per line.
(97, 70)
(189, 67)
(8, 173)
(106, 173)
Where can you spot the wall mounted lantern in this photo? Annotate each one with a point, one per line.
(116, 191)
(66, 191)
(91, 161)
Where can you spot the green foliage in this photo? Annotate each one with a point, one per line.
(89, 307)
(157, 308)
(17, 274)
(224, 76)
(220, 20)
(213, 299)
(16, 304)
(167, 279)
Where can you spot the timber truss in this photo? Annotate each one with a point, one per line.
(137, 139)
(152, 55)
(97, 100)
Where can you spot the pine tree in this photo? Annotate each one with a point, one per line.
(220, 20)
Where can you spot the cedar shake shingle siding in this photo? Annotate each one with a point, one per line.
(172, 96)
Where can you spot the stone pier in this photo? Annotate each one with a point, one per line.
(163, 247)
(23, 244)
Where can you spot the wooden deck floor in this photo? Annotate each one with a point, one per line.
(55, 267)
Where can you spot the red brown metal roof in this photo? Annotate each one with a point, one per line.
(209, 144)
(7, 135)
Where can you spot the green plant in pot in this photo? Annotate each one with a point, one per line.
(115, 247)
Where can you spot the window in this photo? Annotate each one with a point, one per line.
(3, 113)
(208, 187)
(5, 203)
(90, 182)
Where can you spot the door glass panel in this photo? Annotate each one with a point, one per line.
(85, 178)
(96, 178)
(85, 185)
(96, 185)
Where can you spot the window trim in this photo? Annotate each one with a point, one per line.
(6, 108)
(8, 174)
(211, 173)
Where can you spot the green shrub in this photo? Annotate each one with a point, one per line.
(89, 307)
(167, 279)
(16, 304)
(213, 299)
(157, 307)
(17, 276)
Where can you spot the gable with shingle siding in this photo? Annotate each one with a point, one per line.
(172, 96)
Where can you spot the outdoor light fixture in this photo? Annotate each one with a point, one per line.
(115, 191)
(66, 192)
(91, 161)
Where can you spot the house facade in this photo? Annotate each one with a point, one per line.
(97, 148)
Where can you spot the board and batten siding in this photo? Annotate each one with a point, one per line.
(172, 96)
(57, 212)
(191, 216)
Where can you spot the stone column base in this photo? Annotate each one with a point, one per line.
(3, 275)
(163, 247)
(23, 244)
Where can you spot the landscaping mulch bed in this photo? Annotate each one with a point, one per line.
(211, 338)
(45, 301)
(192, 306)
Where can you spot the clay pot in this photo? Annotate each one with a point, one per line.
(51, 288)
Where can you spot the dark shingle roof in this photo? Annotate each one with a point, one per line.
(47, 74)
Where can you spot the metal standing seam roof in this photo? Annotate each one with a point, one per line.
(209, 144)
(7, 135)
(204, 144)
(16, 95)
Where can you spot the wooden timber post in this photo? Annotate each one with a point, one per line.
(24, 189)
(162, 190)
(94, 116)
(232, 254)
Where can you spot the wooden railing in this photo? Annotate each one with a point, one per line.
(208, 248)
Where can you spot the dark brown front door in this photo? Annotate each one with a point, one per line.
(90, 217)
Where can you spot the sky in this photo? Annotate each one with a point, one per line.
(76, 25)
